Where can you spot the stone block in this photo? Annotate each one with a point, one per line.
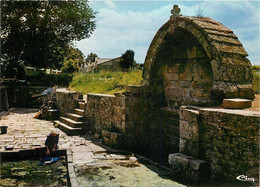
(170, 77)
(189, 131)
(170, 69)
(70, 158)
(97, 149)
(189, 147)
(106, 133)
(237, 103)
(192, 53)
(115, 136)
(107, 141)
(188, 168)
(180, 164)
(185, 84)
(183, 76)
(189, 115)
(97, 136)
(199, 169)
(178, 157)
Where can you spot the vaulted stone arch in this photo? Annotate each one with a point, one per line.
(205, 38)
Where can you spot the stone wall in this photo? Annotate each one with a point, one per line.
(227, 139)
(151, 128)
(170, 129)
(142, 117)
(139, 120)
(106, 112)
(66, 100)
(136, 113)
(185, 68)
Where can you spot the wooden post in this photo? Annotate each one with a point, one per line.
(6, 101)
(15, 99)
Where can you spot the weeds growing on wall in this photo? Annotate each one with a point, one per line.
(105, 82)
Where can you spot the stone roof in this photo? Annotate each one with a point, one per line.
(221, 37)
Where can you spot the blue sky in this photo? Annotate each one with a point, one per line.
(123, 25)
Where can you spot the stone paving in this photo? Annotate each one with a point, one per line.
(25, 132)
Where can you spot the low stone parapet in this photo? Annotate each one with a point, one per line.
(228, 139)
(105, 112)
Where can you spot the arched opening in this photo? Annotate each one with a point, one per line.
(184, 69)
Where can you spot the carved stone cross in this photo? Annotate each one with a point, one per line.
(175, 12)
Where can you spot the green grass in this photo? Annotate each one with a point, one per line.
(256, 78)
(105, 82)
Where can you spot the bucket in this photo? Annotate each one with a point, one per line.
(75, 96)
(3, 129)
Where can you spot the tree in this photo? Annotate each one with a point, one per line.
(37, 33)
(127, 60)
(199, 13)
(70, 66)
(73, 60)
(91, 57)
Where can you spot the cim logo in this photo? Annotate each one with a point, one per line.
(245, 178)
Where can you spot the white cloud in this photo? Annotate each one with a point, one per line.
(118, 31)
(110, 4)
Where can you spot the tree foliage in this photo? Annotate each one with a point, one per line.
(91, 57)
(127, 60)
(37, 33)
(70, 66)
(73, 60)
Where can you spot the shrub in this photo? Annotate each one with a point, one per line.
(70, 66)
(43, 79)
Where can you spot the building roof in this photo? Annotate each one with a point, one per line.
(102, 60)
(106, 61)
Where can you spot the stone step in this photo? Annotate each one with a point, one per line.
(81, 105)
(72, 123)
(69, 130)
(81, 100)
(79, 111)
(75, 117)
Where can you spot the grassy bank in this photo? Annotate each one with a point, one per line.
(105, 82)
